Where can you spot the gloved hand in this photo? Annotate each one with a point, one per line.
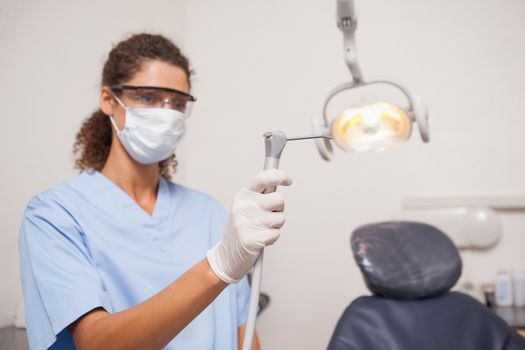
(254, 223)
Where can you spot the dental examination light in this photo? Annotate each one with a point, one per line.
(364, 127)
(372, 126)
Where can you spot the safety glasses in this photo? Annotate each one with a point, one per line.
(155, 97)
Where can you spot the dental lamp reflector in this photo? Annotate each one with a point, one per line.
(373, 127)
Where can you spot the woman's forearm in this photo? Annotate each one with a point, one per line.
(155, 322)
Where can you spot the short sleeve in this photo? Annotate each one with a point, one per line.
(59, 280)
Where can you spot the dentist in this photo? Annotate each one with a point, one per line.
(120, 257)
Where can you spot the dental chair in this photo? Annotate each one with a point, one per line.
(410, 267)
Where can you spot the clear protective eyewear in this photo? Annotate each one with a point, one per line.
(155, 97)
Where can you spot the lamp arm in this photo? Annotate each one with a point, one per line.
(347, 23)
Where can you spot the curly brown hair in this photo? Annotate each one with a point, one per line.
(93, 140)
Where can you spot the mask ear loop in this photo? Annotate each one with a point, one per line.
(112, 120)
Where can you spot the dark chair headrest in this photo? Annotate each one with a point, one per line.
(406, 260)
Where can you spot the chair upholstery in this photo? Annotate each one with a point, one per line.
(453, 321)
(395, 258)
(405, 260)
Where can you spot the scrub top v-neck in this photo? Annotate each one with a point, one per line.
(87, 244)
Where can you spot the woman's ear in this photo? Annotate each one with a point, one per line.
(107, 101)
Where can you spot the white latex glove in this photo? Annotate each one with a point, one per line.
(254, 223)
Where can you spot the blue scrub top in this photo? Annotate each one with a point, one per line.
(87, 244)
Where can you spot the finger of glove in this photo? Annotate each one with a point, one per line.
(272, 201)
(268, 179)
(258, 239)
(271, 236)
(257, 219)
(270, 219)
(268, 201)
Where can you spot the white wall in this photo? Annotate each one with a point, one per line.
(267, 65)
(51, 57)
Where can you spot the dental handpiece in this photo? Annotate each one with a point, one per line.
(274, 143)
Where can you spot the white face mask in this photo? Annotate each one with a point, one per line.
(150, 134)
